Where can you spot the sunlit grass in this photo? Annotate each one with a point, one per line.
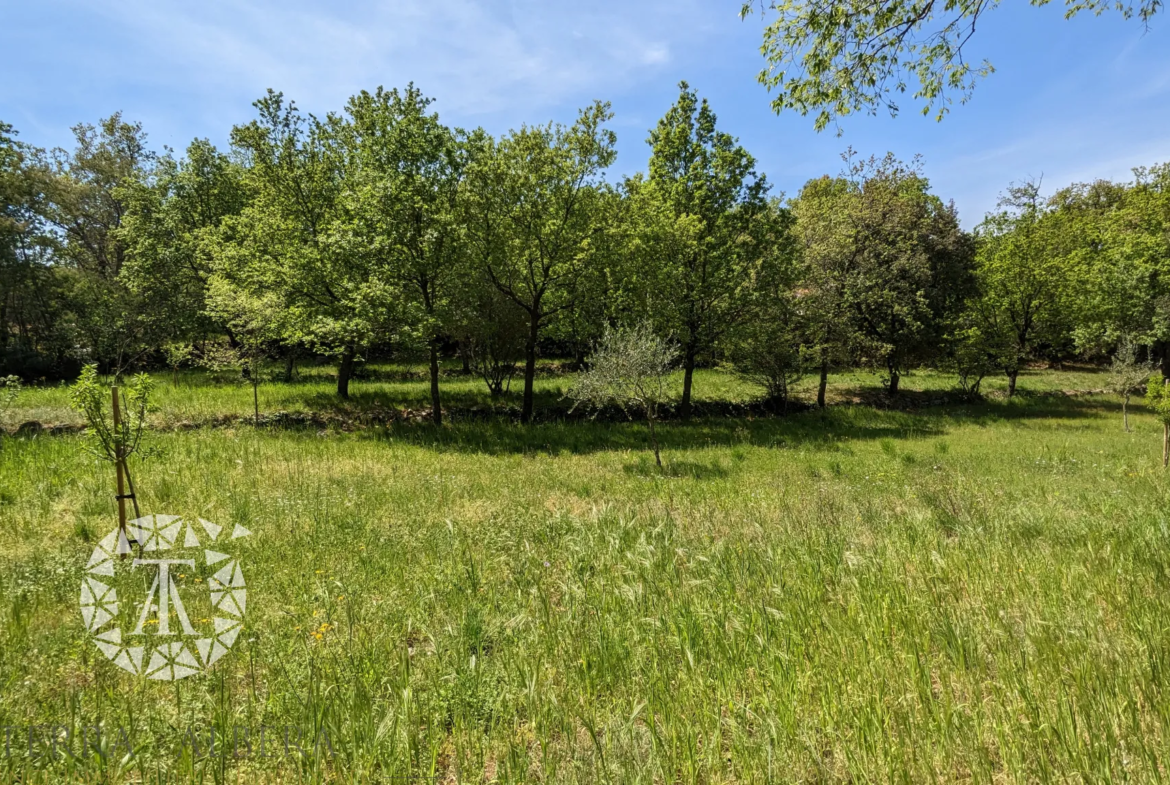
(956, 592)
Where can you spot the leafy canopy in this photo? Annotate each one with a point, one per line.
(90, 395)
(833, 58)
(294, 241)
(629, 369)
(1158, 398)
(703, 229)
(1023, 286)
(1127, 373)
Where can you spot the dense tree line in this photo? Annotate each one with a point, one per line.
(379, 231)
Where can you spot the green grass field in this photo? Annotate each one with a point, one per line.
(956, 592)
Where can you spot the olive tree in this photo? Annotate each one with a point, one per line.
(1126, 375)
(628, 369)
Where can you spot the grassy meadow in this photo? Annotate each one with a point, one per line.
(932, 591)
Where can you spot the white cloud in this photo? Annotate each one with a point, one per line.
(656, 53)
(476, 57)
(1058, 106)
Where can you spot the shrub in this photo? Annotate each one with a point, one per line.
(1158, 396)
(1126, 375)
(629, 369)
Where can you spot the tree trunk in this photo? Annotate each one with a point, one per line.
(345, 371)
(1012, 376)
(654, 440)
(465, 355)
(256, 401)
(289, 367)
(1165, 445)
(895, 378)
(688, 377)
(436, 404)
(824, 380)
(530, 369)
(1125, 411)
(119, 464)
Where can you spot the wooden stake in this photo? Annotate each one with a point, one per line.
(118, 460)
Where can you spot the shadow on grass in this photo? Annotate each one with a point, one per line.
(456, 401)
(600, 435)
(828, 430)
(477, 424)
(549, 405)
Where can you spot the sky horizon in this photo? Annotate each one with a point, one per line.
(1071, 101)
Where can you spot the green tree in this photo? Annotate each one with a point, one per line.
(969, 352)
(628, 369)
(770, 350)
(1158, 397)
(704, 219)
(837, 57)
(532, 208)
(10, 387)
(1127, 374)
(177, 354)
(1113, 239)
(35, 324)
(891, 257)
(825, 243)
(1022, 282)
(492, 331)
(773, 343)
(172, 230)
(295, 240)
(89, 201)
(114, 432)
(404, 198)
(258, 325)
(596, 297)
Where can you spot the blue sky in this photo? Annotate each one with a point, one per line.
(1070, 101)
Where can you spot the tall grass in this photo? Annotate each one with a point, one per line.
(955, 593)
